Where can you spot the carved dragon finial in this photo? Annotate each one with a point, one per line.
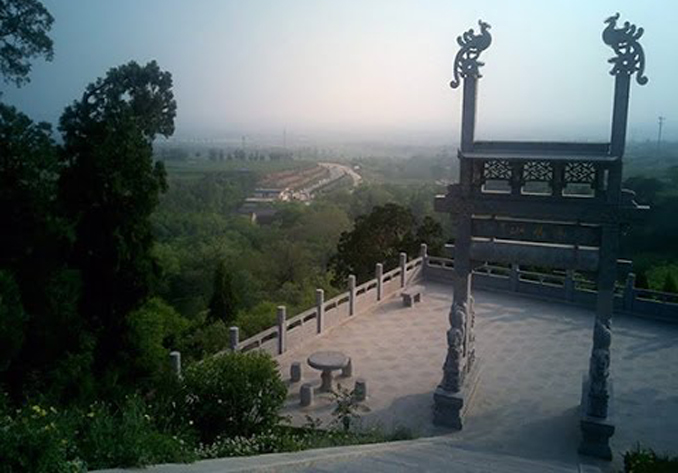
(630, 57)
(466, 62)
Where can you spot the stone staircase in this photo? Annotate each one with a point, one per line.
(423, 455)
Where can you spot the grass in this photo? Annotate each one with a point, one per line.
(195, 169)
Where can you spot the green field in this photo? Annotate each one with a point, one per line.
(195, 169)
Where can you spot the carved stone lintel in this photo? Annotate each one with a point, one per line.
(466, 63)
(630, 57)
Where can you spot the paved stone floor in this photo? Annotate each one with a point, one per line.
(533, 354)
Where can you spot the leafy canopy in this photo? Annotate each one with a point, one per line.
(380, 237)
(24, 25)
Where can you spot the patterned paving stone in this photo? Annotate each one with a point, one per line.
(533, 355)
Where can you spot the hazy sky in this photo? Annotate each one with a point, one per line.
(365, 66)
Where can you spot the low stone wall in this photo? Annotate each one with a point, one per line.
(289, 333)
(563, 287)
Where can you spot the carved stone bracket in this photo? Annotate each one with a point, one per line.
(466, 63)
(630, 57)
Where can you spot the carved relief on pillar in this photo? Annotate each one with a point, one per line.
(454, 366)
(599, 369)
(471, 338)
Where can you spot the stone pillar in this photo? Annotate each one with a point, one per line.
(351, 294)
(234, 338)
(379, 274)
(423, 253)
(282, 329)
(514, 277)
(568, 285)
(320, 309)
(175, 363)
(596, 423)
(455, 391)
(630, 292)
(403, 269)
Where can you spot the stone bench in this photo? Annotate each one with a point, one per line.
(411, 295)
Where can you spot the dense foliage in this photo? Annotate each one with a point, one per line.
(644, 460)
(78, 246)
(233, 394)
(380, 237)
(24, 28)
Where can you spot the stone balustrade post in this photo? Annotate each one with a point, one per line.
(175, 363)
(351, 294)
(282, 329)
(403, 269)
(568, 285)
(514, 277)
(234, 338)
(423, 253)
(379, 274)
(320, 308)
(630, 292)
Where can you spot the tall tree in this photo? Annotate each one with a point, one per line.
(223, 304)
(24, 25)
(379, 237)
(109, 187)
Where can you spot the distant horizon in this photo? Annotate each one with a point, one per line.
(367, 69)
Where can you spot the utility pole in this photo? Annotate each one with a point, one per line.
(659, 134)
(285, 137)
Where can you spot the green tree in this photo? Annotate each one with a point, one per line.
(641, 281)
(431, 233)
(670, 283)
(223, 305)
(109, 188)
(12, 320)
(377, 237)
(646, 188)
(24, 25)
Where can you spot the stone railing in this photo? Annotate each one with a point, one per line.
(291, 332)
(565, 286)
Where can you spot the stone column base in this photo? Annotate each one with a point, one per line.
(450, 408)
(595, 431)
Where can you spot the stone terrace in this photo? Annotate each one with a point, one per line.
(532, 353)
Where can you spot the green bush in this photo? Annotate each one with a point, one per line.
(12, 319)
(154, 329)
(644, 460)
(204, 339)
(125, 436)
(233, 394)
(35, 439)
(274, 441)
(259, 318)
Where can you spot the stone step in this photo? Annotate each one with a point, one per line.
(431, 455)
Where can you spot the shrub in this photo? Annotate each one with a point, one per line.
(274, 441)
(204, 339)
(35, 439)
(154, 328)
(259, 318)
(643, 460)
(125, 436)
(233, 394)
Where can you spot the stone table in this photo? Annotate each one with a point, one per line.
(327, 361)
